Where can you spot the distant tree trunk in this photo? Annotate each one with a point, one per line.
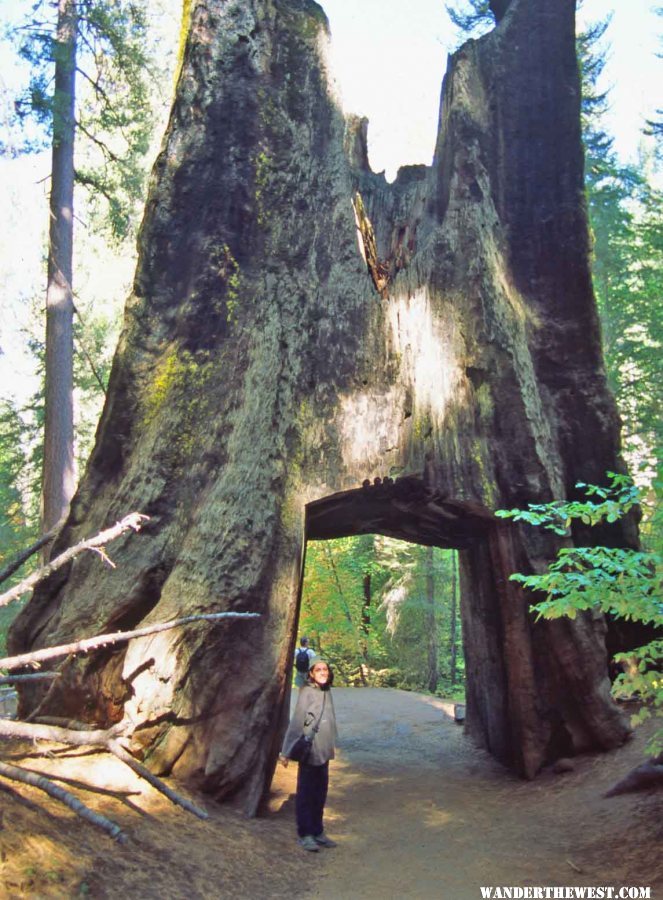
(452, 617)
(431, 622)
(59, 475)
(365, 623)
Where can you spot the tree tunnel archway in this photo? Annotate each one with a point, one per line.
(405, 509)
(298, 325)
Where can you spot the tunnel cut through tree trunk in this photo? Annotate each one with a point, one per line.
(297, 327)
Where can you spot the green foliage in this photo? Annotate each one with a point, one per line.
(615, 500)
(17, 508)
(114, 119)
(379, 609)
(470, 17)
(94, 342)
(19, 504)
(626, 216)
(621, 582)
(655, 126)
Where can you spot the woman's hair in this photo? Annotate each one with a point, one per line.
(330, 680)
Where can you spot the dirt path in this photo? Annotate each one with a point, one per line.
(419, 812)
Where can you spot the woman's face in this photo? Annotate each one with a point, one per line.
(320, 673)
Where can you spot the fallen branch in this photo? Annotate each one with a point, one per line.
(34, 676)
(106, 739)
(117, 750)
(58, 793)
(133, 522)
(101, 640)
(25, 555)
(32, 732)
(62, 722)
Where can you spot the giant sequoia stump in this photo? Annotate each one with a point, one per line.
(299, 328)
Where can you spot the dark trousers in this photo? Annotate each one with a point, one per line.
(312, 782)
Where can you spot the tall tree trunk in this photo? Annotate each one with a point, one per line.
(270, 376)
(58, 472)
(431, 622)
(453, 640)
(365, 622)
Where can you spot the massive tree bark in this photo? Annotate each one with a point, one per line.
(310, 352)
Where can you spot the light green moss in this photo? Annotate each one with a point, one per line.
(422, 427)
(230, 271)
(485, 479)
(178, 400)
(264, 168)
(185, 25)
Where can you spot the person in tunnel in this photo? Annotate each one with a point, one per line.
(304, 656)
(315, 719)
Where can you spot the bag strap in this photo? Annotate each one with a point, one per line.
(316, 727)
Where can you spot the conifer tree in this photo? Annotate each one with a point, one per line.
(88, 89)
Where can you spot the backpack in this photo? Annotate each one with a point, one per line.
(302, 660)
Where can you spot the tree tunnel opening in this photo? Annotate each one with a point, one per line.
(406, 510)
(385, 613)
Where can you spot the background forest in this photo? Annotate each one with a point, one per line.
(385, 612)
(382, 611)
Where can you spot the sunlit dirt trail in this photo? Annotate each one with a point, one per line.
(419, 812)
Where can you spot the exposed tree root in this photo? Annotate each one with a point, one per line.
(649, 774)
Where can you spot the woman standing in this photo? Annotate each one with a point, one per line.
(313, 716)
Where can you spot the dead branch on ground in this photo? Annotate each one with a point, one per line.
(107, 739)
(14, 773)
(117, 750)
(81, 735)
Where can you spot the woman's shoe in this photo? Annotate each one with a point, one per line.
(324, 841)
(308, 842)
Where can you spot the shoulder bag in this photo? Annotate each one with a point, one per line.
(301, 749)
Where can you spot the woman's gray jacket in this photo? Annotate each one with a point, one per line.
(307, 714)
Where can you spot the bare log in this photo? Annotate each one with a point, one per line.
(61, 722)
(25, 555)
(134, 522)
(58, 793)
(101, 640)
(106, 739)
(33, 732)
(33, 676)
(117, 750)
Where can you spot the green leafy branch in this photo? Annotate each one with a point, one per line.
(621, 582)
(616, 500)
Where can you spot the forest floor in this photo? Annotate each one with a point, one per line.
(417, 810)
